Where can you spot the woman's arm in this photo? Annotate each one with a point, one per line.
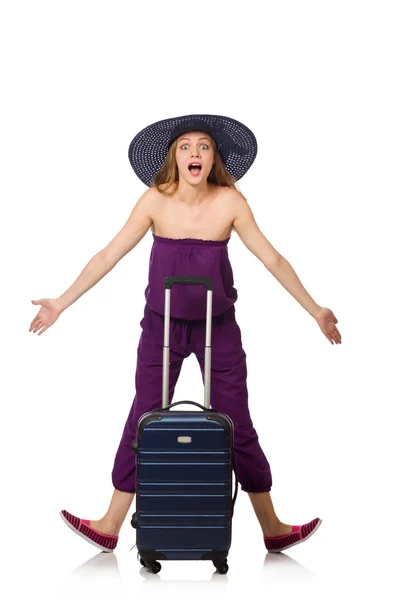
(126, 239)
(252, 237)
(136, 227)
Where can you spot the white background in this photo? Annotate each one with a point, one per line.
(316, 82)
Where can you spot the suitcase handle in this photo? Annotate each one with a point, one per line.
(188, 280)
(187, 402)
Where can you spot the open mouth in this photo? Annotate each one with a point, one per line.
(194, 169)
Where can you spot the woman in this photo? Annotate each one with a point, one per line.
(191, 165)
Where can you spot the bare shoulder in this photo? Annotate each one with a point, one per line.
(240, 211)
(234, 201)
(149, 196)
(156, 195)
(232, 196)
(245, 225)
(149, 200)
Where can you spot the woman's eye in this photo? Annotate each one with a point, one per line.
(200, 145)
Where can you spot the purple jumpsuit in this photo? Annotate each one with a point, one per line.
(201, 258)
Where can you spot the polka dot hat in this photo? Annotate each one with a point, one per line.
(236, 143)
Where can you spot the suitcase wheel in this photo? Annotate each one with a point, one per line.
(152, 565)
(221, 567)
(134, 520)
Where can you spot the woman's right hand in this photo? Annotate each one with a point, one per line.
(47, 315)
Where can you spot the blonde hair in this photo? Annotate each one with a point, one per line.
(169, 172)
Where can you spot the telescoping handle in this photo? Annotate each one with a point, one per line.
(187, 280)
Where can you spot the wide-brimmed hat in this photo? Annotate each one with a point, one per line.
(236, 143)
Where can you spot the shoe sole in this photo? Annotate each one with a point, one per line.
(87, 539)
(299, 541)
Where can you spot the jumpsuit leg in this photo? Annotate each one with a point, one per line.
(148, 387)
(229, 395)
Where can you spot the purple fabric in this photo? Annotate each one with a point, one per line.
(228, 386)
(189, 256)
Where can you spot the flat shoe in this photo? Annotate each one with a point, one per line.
(82, 527)
(299, 534)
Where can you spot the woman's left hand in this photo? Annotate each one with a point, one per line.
(327, 322)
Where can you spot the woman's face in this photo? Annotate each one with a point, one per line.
(194, 147)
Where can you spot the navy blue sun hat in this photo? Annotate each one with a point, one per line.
(236, 143)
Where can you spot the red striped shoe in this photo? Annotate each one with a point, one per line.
(299, 534)
(105, 542)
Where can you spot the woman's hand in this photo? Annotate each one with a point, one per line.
(47, 315)
(327, 322)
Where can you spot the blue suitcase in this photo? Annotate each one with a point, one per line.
(184, 469)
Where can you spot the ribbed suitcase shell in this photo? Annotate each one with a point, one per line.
(184, 490)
